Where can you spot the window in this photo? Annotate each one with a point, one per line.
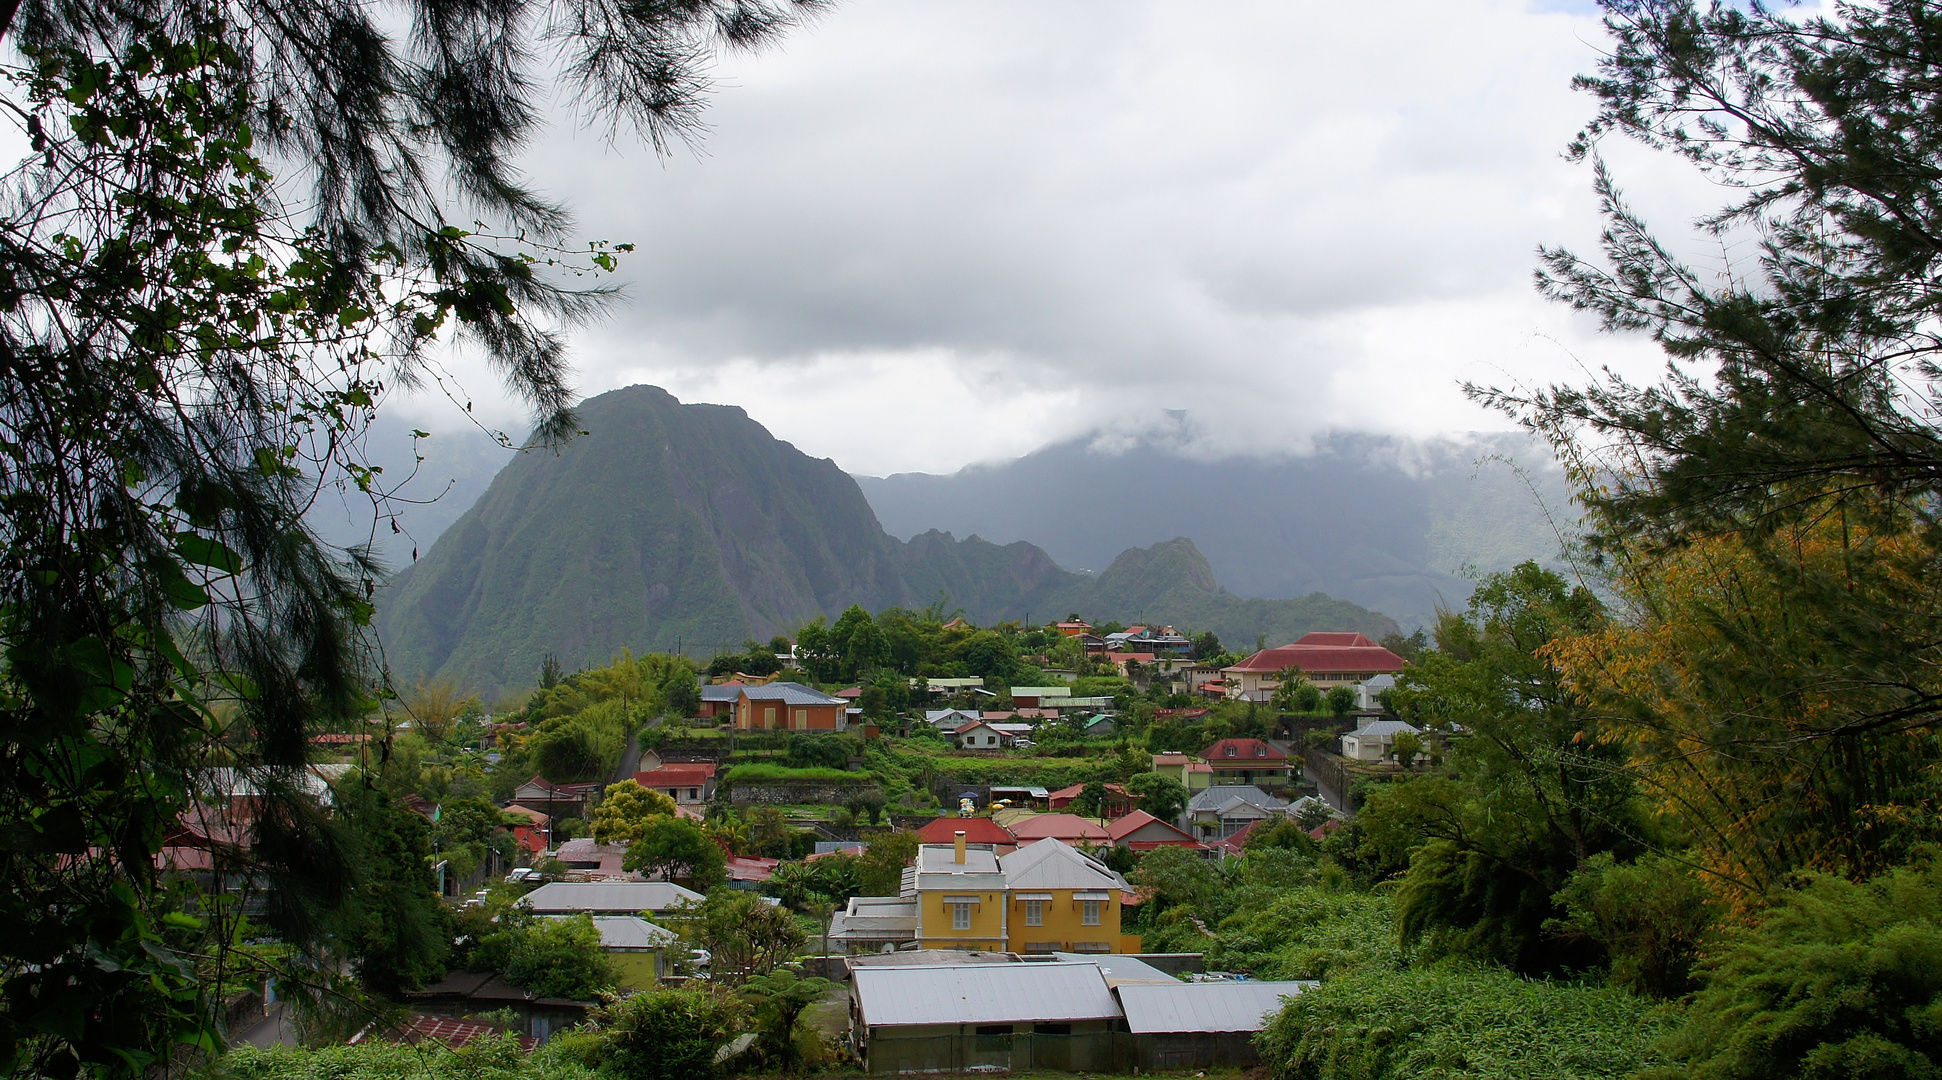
(1090, 910)
(1051, 1029)
(994, 1029)
(694, 794)
(1034, 913)
(1232, 751)
(960, 916)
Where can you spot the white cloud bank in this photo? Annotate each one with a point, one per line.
(924, 234)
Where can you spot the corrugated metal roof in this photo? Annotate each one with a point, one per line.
(790, 694)
(623, 897)
(983, 994)
(1119, 968)
(1156, 1008)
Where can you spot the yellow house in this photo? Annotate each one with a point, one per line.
(960, 894)
(1193, 773)
(1059, 899)
(1045, 897)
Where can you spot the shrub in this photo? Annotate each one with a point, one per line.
(1456, 1023)
(760, 773)
(668, 1034)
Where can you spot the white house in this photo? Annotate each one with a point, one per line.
(1375, 740)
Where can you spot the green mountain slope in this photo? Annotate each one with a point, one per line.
(690, 526)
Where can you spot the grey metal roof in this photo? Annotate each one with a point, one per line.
(983, 994)
(714, 692)
(628, 932)
(1050, 864)
(620, 897)
(1215, 797)
(790, 693)
(1376, 729)
(1119, 968)
(1156, 1008)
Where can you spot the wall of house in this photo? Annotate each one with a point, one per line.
(1065, 925)
(934, 921)
(1089, 1046)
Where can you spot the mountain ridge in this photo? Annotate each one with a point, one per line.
(690, 526)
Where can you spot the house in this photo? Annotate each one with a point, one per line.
(1096, 726)
(1117, 802)
(948, 720)
(788, 706)
(687, 783)
(1067, 827)
(1193, 774)
(1141, 831)
(530, 829)
(1070, 1013)
(976, 830)
(718, 699)
(959, 1018)
(1076, 629)
(600, 860)
(1326, 659)
(1376, 740)
(1027, 796)
(1030, 697)
(959, 891)
(978, 735)
(607, 897)
(1059, 899)
(750, 871)
(638, 948)
(1220, 812)
(1368, 693)
(870, 924)
(556, 801)
(1247, 761)
(970, 685)
(1010, 733)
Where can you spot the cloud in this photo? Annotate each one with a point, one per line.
(924, 234)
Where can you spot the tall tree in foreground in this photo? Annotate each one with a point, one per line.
(185, 359)
(1769, 509)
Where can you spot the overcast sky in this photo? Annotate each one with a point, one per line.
(925, 234)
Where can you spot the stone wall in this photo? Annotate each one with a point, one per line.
(777, 792)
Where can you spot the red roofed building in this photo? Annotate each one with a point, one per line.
(530, 832)
(1070, 828)
(750, 869)
(448, 1031)
(977, 830)
(687, 783)
(1247, 761)
(1142, 831)
(1324, 658)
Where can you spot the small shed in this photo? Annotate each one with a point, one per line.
(1178, 1025)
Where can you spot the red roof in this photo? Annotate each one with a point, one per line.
(1333, 652)
(751, 868)
(977, 830)
(1138, 820)
(681, 774)
(852, 693)
(973, 724)
(1251, 750)
(446, 1030)
(1123, 658)
(1058, 827)
(1067, 794)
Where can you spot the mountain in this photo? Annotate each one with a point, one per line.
(689, 526)
(1388, 524)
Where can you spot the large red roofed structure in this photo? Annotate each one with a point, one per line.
(1326, 658)
(977, 830)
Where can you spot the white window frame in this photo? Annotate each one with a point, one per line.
(1089, 911)
(960, 916)
(1034, 913)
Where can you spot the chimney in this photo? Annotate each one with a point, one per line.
(960, 847)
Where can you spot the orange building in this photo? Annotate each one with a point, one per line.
(787, 706)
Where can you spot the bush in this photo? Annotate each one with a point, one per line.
(1454, 1023)
(481, 1059)
(759, 773)
(668, 1034)
(1838, 979)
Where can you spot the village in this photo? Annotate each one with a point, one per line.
(958, 874)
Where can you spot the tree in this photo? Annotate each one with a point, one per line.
(625, 812)
(677, 849)
(1205, 645)
(1174, 876)
(745, 936)
(552, 957)
(1405, 747)
(568, 751)
(1341, 701)
(668, 1034)
(780, 998)
(394, 928)
(1651, 917)
(1537, 786)
(435, 707)
(769, 834)
(882, 866)
(1160, 795)
(1091, 800)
